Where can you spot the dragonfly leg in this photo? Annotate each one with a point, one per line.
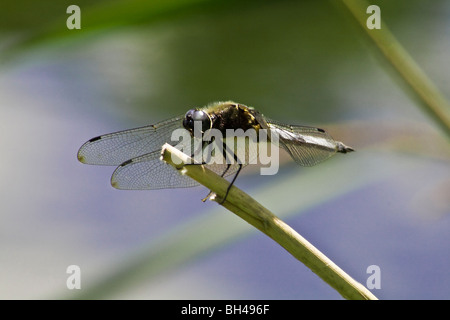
(224, 154)
(225, 149)
(210, 193)
(231, 184)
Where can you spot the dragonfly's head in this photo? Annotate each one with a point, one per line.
(197, 119)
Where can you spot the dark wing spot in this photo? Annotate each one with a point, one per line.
(126, 162)
(95, 139)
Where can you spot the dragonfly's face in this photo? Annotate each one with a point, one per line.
(194, 116)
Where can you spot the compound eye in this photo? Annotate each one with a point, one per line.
(188, 122)
(193, 116)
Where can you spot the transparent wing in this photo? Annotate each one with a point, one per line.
(118, 147)
(150, 172)
(306, 145)
(137, 154)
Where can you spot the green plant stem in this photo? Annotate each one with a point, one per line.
(255, 214)
(434, 103)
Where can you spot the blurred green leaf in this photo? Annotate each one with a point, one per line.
(48, 23)
(433, 102)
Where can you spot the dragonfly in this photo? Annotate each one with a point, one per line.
(137, 152)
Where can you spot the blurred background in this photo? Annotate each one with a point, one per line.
(137, 62)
